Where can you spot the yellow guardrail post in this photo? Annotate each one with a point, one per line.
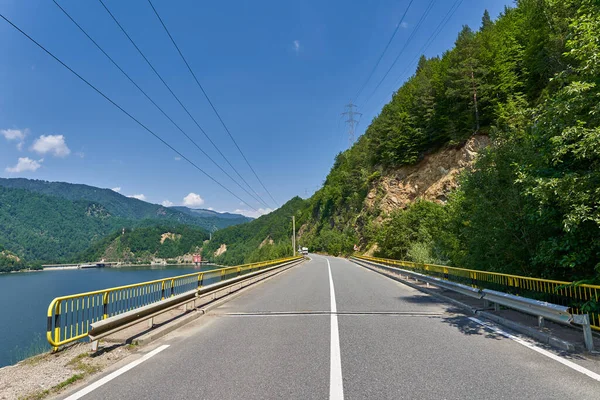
(57, 323)
(105, 305)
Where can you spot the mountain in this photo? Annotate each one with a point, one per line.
(48, 222)
(43, 228)
(266, 237)
(487, 157)
(121, 206)
(220, 219)
(9, 261)
(145, 244)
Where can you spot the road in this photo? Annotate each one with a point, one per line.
(279, 341)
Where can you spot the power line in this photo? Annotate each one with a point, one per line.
(427, 10)
(351, 121)
(123, 110)
(384, 50)
(431, 39)
(150, 99)
(211, 103)
(174, 95)
(434, 35)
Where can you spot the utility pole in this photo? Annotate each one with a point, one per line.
(294, 235)
(351, 122)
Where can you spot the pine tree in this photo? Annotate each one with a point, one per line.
(486, 21)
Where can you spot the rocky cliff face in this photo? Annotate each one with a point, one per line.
(431, 179)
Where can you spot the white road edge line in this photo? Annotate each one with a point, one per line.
(336, 385)
(115, 374)
(533, 347)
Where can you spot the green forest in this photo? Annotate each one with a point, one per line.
(143, 244)
(244, 241)
(41, 228)
(529, 206)
(129, 208)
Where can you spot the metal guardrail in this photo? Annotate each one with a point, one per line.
(541, 309)
(70, 317)
(551, 291)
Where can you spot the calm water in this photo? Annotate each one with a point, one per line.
(24, 300)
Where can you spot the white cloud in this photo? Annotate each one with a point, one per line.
(138, 196)
(116, 189)
(193, 200)
(404, 25)
(80, 154)
(54, 144)
(252, 213)
(13, 134)
(296, 46)
(167, 203)
(177, 158)
(25, 164)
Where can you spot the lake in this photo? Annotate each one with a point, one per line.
(25, 297)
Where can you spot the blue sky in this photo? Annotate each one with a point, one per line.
(278, 72)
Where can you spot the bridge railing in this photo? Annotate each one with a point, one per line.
(70, 317)
(553, 291)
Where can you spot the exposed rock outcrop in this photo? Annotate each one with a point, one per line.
(433, 178)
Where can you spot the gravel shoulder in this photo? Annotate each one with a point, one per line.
(48, 374)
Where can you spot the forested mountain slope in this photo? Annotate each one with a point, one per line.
(267, 237)
(49, 222)
(118, 205)
(145, 244)
(531, 203)
(219, 220)
(43, 228)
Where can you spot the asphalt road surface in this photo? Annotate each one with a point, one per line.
(281, 340)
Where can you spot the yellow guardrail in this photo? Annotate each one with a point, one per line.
(552, 291)
(70, 317)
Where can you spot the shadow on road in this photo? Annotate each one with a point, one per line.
(459, 319)
(421, 299)
(468, 327)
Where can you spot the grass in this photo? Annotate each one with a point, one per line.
(77, 359)
(36, 396)
(54, 389)
(78, 363)
(68, 382)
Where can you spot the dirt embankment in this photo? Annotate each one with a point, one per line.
(170, 236)
(433, 178)
(267, 240)
(50, 373)
(222, 249)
